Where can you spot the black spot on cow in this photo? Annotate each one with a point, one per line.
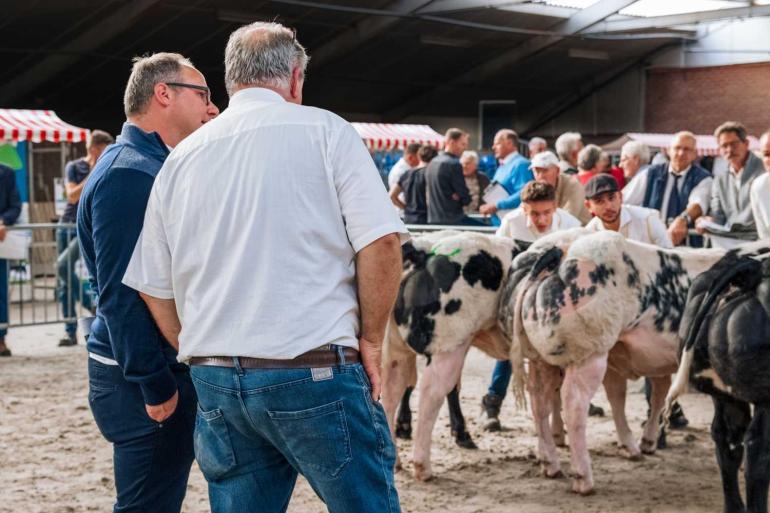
(601, 274)
(485, 268)
(633, 272)
(667, 292)
(452, 306)
(444, 272)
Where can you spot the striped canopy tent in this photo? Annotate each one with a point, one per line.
(385, 137)
(37, 126)
(706, 145)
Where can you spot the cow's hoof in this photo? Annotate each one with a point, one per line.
(560, 439)
(464, 440)
(551, 471)
(421, 472)
(582, 487)
(648, 446)
(404, 431)
(399, 466)
(630, 453)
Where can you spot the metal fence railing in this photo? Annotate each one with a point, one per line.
(50, 284)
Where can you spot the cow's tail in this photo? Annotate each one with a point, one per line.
(745, 267)
(518, 340)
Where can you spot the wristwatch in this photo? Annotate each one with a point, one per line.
(687, 217)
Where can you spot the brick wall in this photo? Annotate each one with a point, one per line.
(700, 99)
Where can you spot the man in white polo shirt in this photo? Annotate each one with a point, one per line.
(537, 216)
(271, 252)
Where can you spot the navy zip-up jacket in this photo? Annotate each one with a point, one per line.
(109, 220)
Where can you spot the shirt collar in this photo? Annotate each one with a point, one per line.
(253, 95)
(683, 173)
(625, 216)
(509, 158)
(148, 143)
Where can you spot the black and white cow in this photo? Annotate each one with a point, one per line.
(447, 302)
(725, 336)
(599, 308)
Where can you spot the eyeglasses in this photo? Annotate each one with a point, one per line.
(203, 89)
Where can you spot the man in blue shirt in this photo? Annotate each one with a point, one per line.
(142, 399)
(10, 208)
(76, 173)
(513, 173)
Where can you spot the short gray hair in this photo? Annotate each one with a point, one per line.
(263, 53)
(589, 157)
(469, 155)
(734, 127)
(539, 141)
(636, 149)
(566, 144)
(146, 73)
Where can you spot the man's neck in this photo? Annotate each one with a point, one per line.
(613, 226)
(149, 123)
(740, 165)
(679, 171)
(90, 160)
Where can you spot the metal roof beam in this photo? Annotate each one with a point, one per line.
(107, 28)
(677, 19)
(440, 6)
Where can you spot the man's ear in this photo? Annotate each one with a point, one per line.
(297, 80)
(162, 94)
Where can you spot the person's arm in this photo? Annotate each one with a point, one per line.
(74, 190)
(658, 232)
(166, 317)
(459, 188)
(378, 275)
(117, 214)
(394, 192)
(520, 177)
(716, 212)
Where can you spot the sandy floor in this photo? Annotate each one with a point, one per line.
(53, 460)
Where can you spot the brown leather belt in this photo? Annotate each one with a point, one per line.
(314, 358)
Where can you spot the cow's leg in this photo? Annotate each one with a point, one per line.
(457, 421)
(731, 419)
(557, 422)
(580, 384)
(398, 373)
(615, 385)
(438, 379)
(758, 460)
(404, 416)
(543, 386)
(659, 387)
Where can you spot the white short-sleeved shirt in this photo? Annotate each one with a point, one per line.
(516, 225)
(633, 193)
(760, 204)
(639, 224)
(253, 225)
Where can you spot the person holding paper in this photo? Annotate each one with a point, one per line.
(512, 174)
(10, 208)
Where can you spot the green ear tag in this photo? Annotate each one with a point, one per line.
(450, 255)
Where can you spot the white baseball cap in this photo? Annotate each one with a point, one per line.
(544, 159)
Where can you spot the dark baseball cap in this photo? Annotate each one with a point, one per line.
(600, 184)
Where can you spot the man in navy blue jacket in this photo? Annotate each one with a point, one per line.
(10, 208)
(142, 399)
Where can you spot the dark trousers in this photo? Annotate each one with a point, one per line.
(152, 460)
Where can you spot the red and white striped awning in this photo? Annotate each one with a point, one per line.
(37, 126)
(384, 136)
(704, 144)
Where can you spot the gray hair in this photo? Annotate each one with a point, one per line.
(732, 126)
(589, 157)
(538, 141)
(262, 54)
(636, 149)
(146, 73)
(469, 155)
(566, 144)
(764, 137)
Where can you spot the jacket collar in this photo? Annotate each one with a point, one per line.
(147, 143)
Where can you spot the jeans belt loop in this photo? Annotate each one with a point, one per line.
(340, 354)
(237, 364)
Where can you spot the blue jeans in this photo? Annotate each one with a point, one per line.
(69, 286)
(501, 378)
(257, 429)
(152, 461)
(3, 298)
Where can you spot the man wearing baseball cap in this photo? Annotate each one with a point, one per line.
(569, 192)
(604, 200)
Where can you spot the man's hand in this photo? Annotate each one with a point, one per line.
(3, 232)
(487, 209)
(700, 220)
(678, 231)
(371, 359)
(161, 412)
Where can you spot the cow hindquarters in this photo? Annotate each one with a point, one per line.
(438, 379)
(731, 419)
(543, 384)
(581, 381)
(758, 460)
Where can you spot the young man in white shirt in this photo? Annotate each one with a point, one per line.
(760, 191)
(604, 200)
(537, 216)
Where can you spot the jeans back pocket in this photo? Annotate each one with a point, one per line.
(317, 438)
(213, 447)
